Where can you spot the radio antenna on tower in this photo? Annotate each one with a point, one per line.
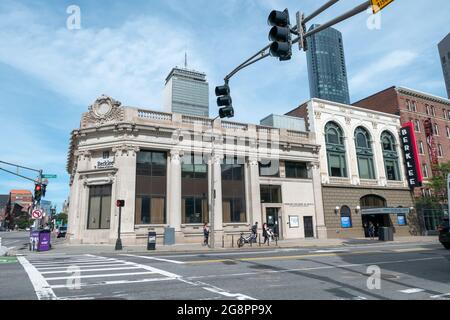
(185, 59)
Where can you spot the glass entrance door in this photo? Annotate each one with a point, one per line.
(272, 215)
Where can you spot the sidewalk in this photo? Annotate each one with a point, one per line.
(67, 249)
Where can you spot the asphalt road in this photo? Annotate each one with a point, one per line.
(406, 271)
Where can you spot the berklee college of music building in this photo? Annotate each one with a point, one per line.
(161, 165)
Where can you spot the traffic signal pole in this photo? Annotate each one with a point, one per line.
(263, 53)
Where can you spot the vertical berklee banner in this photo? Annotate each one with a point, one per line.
(411, 155)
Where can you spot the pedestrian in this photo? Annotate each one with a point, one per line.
(205, 234)
(371, 231)
(265, 234)
(254, 232)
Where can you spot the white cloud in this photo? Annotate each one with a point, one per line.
(128, 62)
(386, 66)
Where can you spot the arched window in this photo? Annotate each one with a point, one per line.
(373, 201)
(346, 217)
(337, 164)
(390, 156)
(364, 153)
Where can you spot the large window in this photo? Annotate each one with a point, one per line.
(99, 214)
(269, 168)
(390, 156)
(233, 192)
(337, 164)
(271, 194)
(194, 189)
(151, 185)
(364, 153)
(373, 201)
(296, 170)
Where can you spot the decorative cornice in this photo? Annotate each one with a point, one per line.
(104, 110)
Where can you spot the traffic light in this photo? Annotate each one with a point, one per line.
(37, 192)
(120, 203)
(280, 34)
(44, 189)
(224, 101)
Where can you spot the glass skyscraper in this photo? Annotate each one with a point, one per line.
(444, 52)
(187, 92)
(326, 66)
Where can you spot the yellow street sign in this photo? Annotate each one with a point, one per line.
(378, 5)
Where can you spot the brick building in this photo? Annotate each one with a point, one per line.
(431, 117)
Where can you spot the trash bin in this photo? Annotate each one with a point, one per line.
(169, 236)
(151, 243)
(44, 243)
(386, 234)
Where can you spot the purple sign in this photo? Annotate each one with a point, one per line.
(44, 241)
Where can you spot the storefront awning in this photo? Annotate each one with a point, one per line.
(385, 211)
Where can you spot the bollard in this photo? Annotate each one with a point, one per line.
(223, 241)
(232, 240)
(276, 240)
(259, 239)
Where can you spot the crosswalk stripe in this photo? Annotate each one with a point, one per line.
(93, 270)
(40, 285)
(85, 266)
(101, 275)
(109, 283)
(412, 290)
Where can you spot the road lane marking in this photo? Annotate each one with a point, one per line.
(153, 258)
(411, 291)
(445, 295)
(238, 296)
(294, 257)
(40, 285)
(412, 250)
(41, 265)
(244, 274)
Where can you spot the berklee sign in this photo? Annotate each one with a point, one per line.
(410, 152)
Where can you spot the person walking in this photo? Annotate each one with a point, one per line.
(205, 234)
(254, 232)
(266, 234)
(371, 231)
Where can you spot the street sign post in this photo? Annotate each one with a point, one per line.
(37, 214)
(378, 5)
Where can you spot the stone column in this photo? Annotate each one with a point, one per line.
(77, 211)
(125, 189)
(214, 164)
(174, 196)
(255, 195)
(321, 229)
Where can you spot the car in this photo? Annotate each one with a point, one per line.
(444, 233)
(61, 232)
(27, 229)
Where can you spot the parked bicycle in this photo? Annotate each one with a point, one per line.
(246, 239)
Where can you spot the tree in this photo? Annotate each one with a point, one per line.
(61, 217)
(439, 182)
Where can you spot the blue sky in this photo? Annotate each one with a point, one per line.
(49, 75)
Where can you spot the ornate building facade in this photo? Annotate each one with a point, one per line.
(361, 168)
(171, 169)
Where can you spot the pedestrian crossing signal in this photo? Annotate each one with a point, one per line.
(120, 203)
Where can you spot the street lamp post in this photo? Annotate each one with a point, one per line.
(212, 241)
(120, 204)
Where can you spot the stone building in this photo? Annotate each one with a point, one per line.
(166, 166)
(361, 168)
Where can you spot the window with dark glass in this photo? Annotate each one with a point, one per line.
(337, 164)
(151, 187)
(194, 172)
(391, 158)
(364, 153)
(233, 192)
(269, 168)
(99, 212)
(271, 194)
(296, 170)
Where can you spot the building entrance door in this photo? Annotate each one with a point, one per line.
(309, 227)
(273, 221)
(378, 220)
